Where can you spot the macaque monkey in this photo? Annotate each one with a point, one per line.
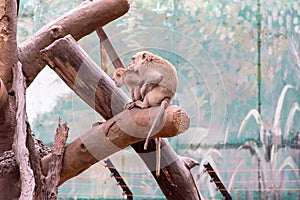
(159, 87)
(133, 82)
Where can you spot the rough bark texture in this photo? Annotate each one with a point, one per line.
(19, 146)
(107, 104)
(174, 175)
(9, 176)
(8, 58)
(55, 165)
(85, 78)
(79, 22)
(3, 103)
(35, 156)
(114, 135)
(8, 42)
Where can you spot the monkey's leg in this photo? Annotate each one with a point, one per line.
(137, 94)
(158, 155)
(147, 87)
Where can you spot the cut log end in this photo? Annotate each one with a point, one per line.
(189, 163)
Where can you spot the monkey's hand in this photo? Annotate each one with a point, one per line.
(130, 105)
(136, 104)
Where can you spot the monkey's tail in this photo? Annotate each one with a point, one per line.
(164, 104)
(158, 155)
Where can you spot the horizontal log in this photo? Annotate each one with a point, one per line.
(79, 22)
(124, 129)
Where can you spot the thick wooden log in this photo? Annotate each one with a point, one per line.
(84, 77)
(79, 22)
(114, 135)
(111, 102)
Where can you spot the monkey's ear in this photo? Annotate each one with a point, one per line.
(144, 56)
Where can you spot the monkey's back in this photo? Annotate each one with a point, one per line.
(166, 69)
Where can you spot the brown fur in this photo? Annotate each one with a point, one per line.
(159, 87)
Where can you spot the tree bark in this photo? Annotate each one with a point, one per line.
(9, 176)
(8, 42)
(8, 58)
(79, 22)
(55, 165)
(19, 146)
(3, 103)
(175, 180)
(81, 74)
(84, 77)
(112, 136)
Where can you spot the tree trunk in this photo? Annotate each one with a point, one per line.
(79, 22)
(79, 72)
(8, 42)
(19, 146)
(3, 104)
(8, 58)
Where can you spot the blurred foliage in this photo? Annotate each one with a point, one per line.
(213, 45)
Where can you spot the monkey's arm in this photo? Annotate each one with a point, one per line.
(152, 80)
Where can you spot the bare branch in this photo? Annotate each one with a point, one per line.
(55, 166)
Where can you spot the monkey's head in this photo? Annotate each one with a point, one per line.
(144, 57)
(117, 76)
(140, 58)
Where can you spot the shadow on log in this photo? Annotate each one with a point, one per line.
(73, 65)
